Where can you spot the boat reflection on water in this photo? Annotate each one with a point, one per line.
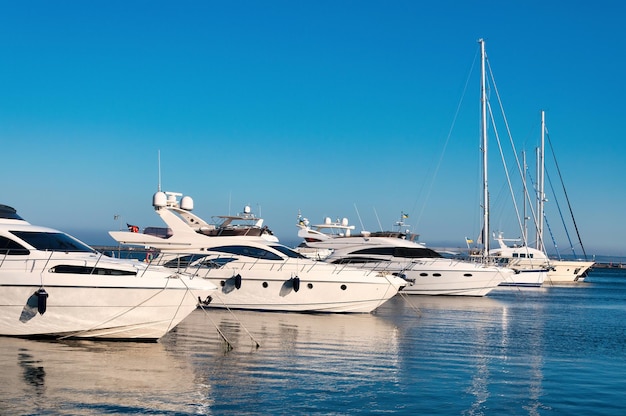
(409, 355)
(87, 377)
(484, 345)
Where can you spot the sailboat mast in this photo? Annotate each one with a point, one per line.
(541, 183)
(483, 110)
(525, 192)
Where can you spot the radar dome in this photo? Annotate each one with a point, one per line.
(159, 200)
(186, 203)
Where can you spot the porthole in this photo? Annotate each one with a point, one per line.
(467, 275)
(222, 283)
(265, 284)
(424, 274)
(309, 285)
(343, 287)
(437, 274)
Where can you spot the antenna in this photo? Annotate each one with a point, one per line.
(159, 165)
(378, 219)
(359, 215)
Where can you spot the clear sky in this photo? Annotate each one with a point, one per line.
(323, 107)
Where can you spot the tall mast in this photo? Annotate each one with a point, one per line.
(483, 110)
(525, 192)
(541, 183)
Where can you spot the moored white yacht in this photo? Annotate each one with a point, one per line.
(427, 272)
(254, 273)
(531, 265)
(561, 271)
(53, 285)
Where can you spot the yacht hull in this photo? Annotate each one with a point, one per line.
(526, 278)
(568, 271)
(439, 277)
(105, 307)
(320, 288)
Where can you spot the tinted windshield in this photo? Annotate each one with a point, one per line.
(406, 252)
(255, 252)
(52, 241)
(288, 252)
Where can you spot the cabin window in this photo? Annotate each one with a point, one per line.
(405, 252)
(183, 261)
(70, 269)
(288, 252)
(356, 260)
(217, 262)
(52, 241)
(254, 252)
(10, 247)
(515, 255)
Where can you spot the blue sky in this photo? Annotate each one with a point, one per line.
(324, 107)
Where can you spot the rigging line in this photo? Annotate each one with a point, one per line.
(443, 151)
(519, 167)
(229, 310)
(556, 247)
(506, 170)
(566, 196)
(239, 321)
(416, 309)
(359, 216)
(378, 220)
(94, 327)
(230, 345)
(558, 206)
(536, 188)
(219, 331)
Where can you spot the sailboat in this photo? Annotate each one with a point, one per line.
(561, 270)
(530, 271)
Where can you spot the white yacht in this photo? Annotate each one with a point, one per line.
(561, 270)
(531, 265)
(53, 285)
(254, 273)
(427, 272)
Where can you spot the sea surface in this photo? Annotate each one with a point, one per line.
(549, 351)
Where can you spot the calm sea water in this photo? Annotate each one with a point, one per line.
(548, 351)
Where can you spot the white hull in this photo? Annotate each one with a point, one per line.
(322, 287)
(526, 278)
(459, 279)
(52, 285)
(564, 271)
(145, 306)
(445, 277)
